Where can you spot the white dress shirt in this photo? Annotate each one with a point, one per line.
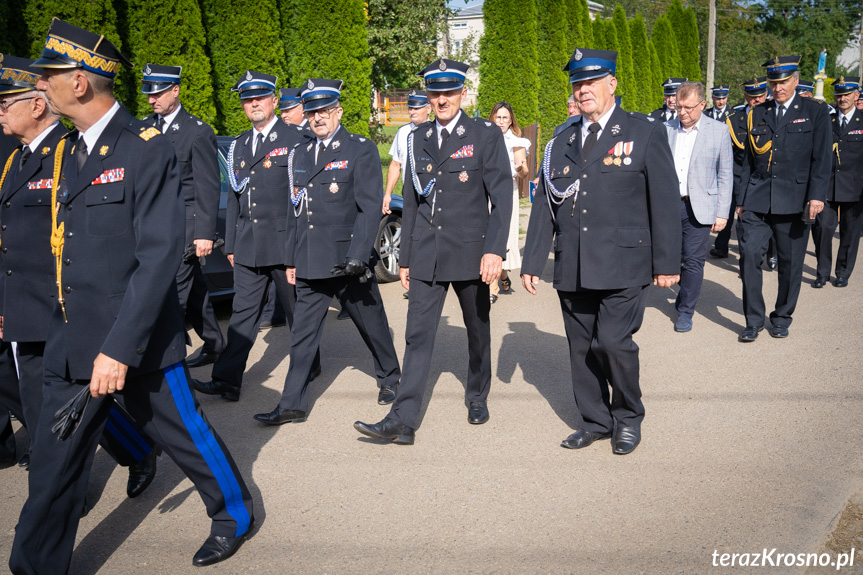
(265, 132)
(92, 134)
(169, 119)
(684, 142)
(452, 123)
(585, 124)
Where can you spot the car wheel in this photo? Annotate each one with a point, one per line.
(389, 241)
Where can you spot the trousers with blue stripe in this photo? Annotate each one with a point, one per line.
(163, 404)
(123, 439)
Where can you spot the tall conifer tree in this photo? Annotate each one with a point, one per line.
(172, 34)
(553, 53)
(656, 76)
(625, 66)
(641, 64)
(240, 39)
(508, 58)
(331, 41)
(665, 42)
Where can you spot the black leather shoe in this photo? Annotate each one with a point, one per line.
(24, 462)
(779, 331)
(218, 548)
(217, 387)
(267, 324)
(387, 394)
(280, 416)
(749, 334)
(477, 413)
(819, 283)
(202, 358)
(343, 314)
(841, 282)
(582, 438)
(772, 263)
(387, 429)
(315, 374)
(718, 253)
(141, 474)
(625, 440)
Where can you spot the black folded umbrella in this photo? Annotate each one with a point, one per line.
(69, 416)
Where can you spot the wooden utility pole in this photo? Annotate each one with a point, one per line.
(860, 61)
(711, 45)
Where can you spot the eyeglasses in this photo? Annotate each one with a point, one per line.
(325, 114)
(4, 105)
(501, 119)
(687, 109)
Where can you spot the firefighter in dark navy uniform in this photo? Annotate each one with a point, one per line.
(457, 208)
(720, 109)
(27, 288)
(845, 192)
(116, 328)
(755, 92)
(669, 93)
(195, 145)
(256, 221)
(336, 194)
(782, 189)
(610, 207)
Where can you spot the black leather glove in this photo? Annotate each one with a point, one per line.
(354, 267)
(69, 416)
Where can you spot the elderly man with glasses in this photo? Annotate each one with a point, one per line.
(704, 163)
(336, 193)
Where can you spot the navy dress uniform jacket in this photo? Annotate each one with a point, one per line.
(195, 146)
(27, 279)
(448, 245)
(846, 178)
(256, 218)
(659, 114)
(118, 274)
(347, 184)
(622, 226)
(797, 168)
(716, 114)
(736, 122)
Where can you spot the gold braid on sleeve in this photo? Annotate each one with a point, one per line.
(759, 150)
(57, 231)
(734, 139)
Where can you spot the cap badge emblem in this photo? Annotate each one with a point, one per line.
(442, 65)
(412, 93)
(311, 85)
(147, 70)
(249, 75)
(578, 55)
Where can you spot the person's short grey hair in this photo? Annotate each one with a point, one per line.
(571, 99)
(687, 89)
(101, 84)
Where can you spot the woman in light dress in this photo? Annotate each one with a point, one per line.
(518, 149)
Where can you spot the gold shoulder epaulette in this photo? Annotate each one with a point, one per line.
(149, 133)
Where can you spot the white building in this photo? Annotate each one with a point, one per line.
(465, 30)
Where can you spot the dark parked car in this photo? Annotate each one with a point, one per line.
(220, 276)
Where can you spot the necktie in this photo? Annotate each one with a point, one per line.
(161, 124)
(842, 125)
(321, 149)
(81, 153)
(590, 141)
(259, 145)
(444, 135)
(25, 155)
(781, 111)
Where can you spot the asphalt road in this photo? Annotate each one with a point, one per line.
(746, 447)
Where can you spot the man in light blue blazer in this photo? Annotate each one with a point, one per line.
(704, 163)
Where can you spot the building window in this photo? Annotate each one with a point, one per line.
(457, 44)
(459, 25)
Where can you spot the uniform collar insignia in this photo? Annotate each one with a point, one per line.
(175, 126)
(336, 145)
(615, 130)
(429, 133)
(273, 136)
(46, 150)
(460, 130)
(103, 150)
